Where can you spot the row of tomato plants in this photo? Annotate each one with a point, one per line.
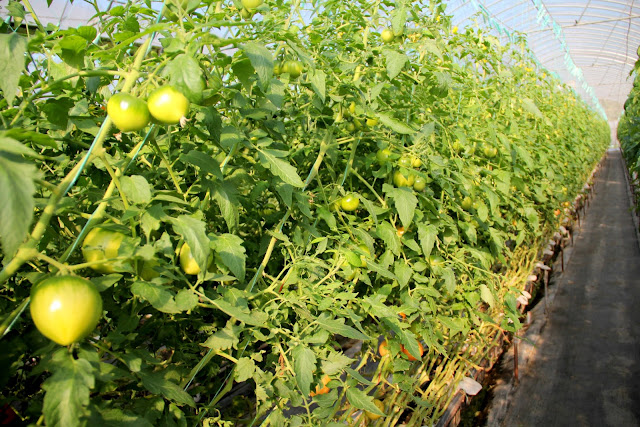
(223, 192)
(628, 133)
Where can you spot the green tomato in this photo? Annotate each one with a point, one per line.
(382, 156)
(349, 203)
(387, 35)
(416, 162)
(400, 180)
(187, 261)
(168, 105)
(404, 162)
(293, 68)
(147, 270)
(467, 203)
(370, 415)
(101, 244)
(371, 122)
(436, 261)
(251, 4)
(127, 112)
(419, 184)
(65, 309)
(490, 152)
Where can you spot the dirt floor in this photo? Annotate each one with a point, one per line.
(584, 366)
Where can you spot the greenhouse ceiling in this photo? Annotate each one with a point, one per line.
(590, 44)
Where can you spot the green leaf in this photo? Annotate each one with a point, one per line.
(361, 400)
(12, 49)
(395, 125)
(105, 281)
(157, 384)
(281, 168)
(389, 236)
(67, 391)
(245, 369)
(335, 363)
(16, 197)
(261, 60)
(304, 364)
(530, 106)
(232, 253)
(395, 62)
(486, 295)
(399, 18)
(185, 74)
(225, 196)
(427, 235)
(355, 374)
(193, 232)
(337, 326)
(157, 295)
(29, 136)
(241, 312)
(403, 272)
(203, 161)
(318, 83)
(136, 189)
(449, 278)
(405, 202)
(115, 417)
(186, 300)
(226, 338)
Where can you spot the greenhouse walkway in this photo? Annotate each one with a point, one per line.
(586, 368)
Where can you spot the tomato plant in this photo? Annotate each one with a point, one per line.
(65, 309)
(273, 111)
(350, 202)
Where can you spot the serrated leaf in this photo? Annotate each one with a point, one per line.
(245, 369)
(203, 161)
(225, 196)
(486, 295)
(157, 295)
(335, 363)
(395, 125)
(229, 248)
(105, 281)
(136, 189)
(427, 235)
(355, 374)
(337, 326)
(67, 391)
(242, 313)
(152, 218)
(186, 300)
(157, 384)
(304, 363)
(16, 200)
(361, 400)
(449, 278)
(115, 417)
(29, 136)
(261, 60)
(224, 339)
(193, 231)
(530, 106)
(280, 168)
(12, 49)
(399, 18)
(389, 236)
(403, 272)
(395, 62)
(405, 202)
(317, 79)
(185, 74)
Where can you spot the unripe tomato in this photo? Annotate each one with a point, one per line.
(490, 151)
(168, 105)
(349, 203)
(382, 156)
(127, 112)
(352, 108)
(416, 162)
(387, 35)
(187, 261)
(246, 13)
(411, 358)
(457, 147)
(467, 203)
(251, 4)
(293, 68)
(147, 270)
(370, 415)
(65, 309)
(373, 121)
(101, 244)
(400, 180)
(419, 184)
(436, 261)
(404, 162)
